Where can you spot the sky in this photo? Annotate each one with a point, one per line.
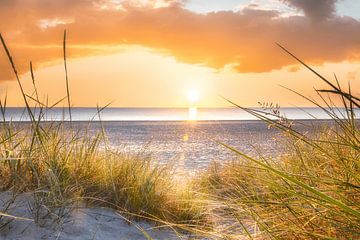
(178, 53)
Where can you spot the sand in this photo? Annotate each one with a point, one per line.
(75, 224)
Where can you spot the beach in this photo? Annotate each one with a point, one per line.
(186, 149)
(179, 119)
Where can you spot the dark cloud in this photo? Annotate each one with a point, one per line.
(245, 39)
(315, 9)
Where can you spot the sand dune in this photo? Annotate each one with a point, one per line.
(79, 223)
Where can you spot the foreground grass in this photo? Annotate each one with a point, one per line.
(312, 192)
(267, 204)
(66, 167)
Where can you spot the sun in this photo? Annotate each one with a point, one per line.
(193, 95)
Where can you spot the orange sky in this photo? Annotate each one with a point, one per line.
(138, 53)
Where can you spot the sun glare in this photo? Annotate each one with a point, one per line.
(192, 114)
(193, 96)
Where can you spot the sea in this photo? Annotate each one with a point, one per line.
(188, 138)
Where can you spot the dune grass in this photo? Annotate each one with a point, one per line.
(311, 192)
(66, 168)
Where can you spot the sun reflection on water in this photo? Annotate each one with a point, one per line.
(192, 114)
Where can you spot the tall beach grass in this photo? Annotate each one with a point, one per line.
(311, 192)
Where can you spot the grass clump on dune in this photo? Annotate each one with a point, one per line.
(268, 205)
(66, 168)
(311, 192)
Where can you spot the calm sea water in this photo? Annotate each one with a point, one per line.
(189, 145)
(159, 114)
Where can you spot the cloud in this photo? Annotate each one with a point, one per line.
(283, 8)
(243, 39)
(317, 10)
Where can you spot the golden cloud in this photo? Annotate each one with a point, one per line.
(243, 39)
